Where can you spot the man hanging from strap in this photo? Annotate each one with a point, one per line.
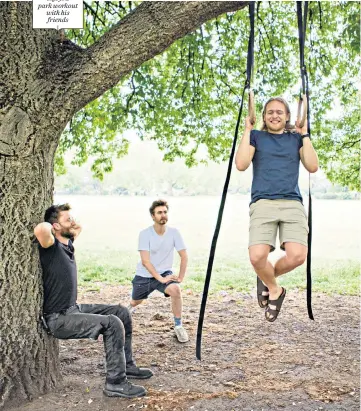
(276, 202)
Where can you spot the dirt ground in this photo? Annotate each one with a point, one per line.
(247, 364)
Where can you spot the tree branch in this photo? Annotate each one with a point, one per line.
(94, 13)
(144, 33)
(348, 144)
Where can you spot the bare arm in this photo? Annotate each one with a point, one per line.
(43, 232)
(245, 151)
(183, 264)
(145, 258)
(309, 156)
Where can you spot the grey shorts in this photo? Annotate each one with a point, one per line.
(143, 286)
(267, 216)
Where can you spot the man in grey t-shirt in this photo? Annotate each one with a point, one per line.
(154, 270)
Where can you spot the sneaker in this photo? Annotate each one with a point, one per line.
(125, 389)
(181, 334)
(139, 373)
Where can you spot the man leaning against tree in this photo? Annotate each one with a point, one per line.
(66, 319)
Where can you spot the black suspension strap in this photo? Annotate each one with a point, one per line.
(225, 188)
(302, 24)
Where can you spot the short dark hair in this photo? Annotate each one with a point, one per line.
(158, 203)
(52, 213)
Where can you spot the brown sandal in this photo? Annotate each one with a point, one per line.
(278, 303)
(262, 299)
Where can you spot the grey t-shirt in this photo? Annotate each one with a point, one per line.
(276, 164)
(161, 249)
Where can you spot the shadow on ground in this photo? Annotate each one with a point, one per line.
(247, 364)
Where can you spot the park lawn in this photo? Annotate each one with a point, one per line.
(228, 274)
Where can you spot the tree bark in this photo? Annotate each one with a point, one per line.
(43, 82)
(28, 356)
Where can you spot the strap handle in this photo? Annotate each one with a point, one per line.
(302, 24)
(302, 111)
(226, 184)
(251, 107)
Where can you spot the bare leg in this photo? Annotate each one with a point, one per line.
(258, 255)
(176, 297)
(134, 303)
(295, 256)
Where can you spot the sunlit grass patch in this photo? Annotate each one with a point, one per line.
(114, 267)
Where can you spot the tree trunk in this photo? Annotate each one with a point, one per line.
(43, 82)
(30, 128)
(28, 356)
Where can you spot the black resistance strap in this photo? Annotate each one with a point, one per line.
(225, 188)
(302, 22)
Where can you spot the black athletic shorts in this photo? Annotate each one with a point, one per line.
(143, 286)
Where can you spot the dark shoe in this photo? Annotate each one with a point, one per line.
(270, 313)
(139, 373)
(262, 299)
(125, 389)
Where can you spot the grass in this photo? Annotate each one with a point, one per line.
(106, 250)
(228, 274)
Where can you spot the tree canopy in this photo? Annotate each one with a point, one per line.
(188, 97)
(112, 77)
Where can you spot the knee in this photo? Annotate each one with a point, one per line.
(115, 322)
(174, 291)
(115, 329)
(134, 303)
(125, 317)
(297, 259)
(258, 260)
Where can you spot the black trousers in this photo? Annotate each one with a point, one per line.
(90, 320)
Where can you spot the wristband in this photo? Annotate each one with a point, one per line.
(306, 135)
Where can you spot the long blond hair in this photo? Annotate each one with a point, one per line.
(289, 126)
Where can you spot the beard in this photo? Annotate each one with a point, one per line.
(67, 234)
(163, 221)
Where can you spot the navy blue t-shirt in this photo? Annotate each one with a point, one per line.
(276, 164)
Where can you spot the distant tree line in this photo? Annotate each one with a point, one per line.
(138, 175)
